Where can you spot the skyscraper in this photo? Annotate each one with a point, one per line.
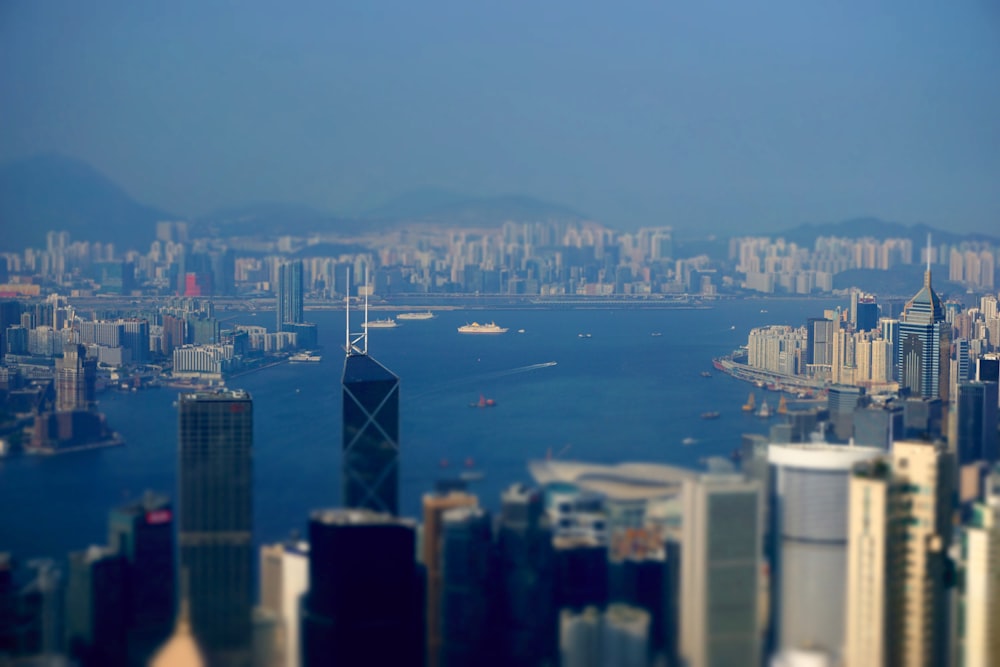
(76, 377)
(370, 464)
(978, 639)
(435, 506)
(284, 577)
(720, 571)
(808, 543)
(976, 422)
(215, 433)
(468, 581)
(142, 533)
(365, 604)
(923, 352)
(289, 294)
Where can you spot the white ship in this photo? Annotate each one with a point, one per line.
(387, 323)
(477, 328)
(305, 358)
(427, 315)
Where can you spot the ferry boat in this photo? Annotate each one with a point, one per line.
(477, 328)
(305, 358)
(387, 323)
(427, 315)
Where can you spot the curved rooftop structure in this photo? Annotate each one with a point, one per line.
(624, 481)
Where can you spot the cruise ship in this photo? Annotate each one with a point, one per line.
(477, 328)
(387, 323)
(426, 315)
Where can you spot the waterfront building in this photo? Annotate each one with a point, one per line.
(370, 464)
(284, 579)
(142, 533)
(76, 378)
(289, 306)
(365, 601)
(215, 434)
(807, 546)
(435, 505)
(720, 571)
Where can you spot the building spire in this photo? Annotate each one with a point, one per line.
(927, 273)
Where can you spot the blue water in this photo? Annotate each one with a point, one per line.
(620, 395)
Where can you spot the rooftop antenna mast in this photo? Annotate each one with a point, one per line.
(352, 346)
(928, 251)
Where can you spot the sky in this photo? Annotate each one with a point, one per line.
(720, 115)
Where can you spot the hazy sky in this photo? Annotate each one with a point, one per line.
(720, 114)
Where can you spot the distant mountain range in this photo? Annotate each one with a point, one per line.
(54, 192)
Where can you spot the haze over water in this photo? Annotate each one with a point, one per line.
(620, 395)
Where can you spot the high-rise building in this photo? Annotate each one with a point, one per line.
(925, 473)
(978, 639)
(720, 571)
(284, 578)
(467, 586)
(365, 604)
(924, 348)
(976, 416)
(618, 636)
(142, 533)
(807, 545)
(435, 506)
(370, 464)
(215, 434)
(875, 554)
(95, 608)
(76, 378)
(289, 304)
(526, 615)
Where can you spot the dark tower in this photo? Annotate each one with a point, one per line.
(365, 602)
(370, 463)
(215, 433)
(289, 302)
(977, 422)
(142, 532)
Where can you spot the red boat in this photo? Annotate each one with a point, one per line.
(484, 403)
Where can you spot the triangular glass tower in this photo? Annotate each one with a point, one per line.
(370, 464)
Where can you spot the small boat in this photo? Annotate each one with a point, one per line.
(655, 334)
(750, 404)
(706, 374)
(687, 442)
(765, 410)
(520, 331)
(782, 406)
(484, 403)
(583, 335)
(710, 415)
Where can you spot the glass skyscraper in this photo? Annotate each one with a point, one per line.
(370, 467)
(215, 434)
(289, 302)
(924, 348)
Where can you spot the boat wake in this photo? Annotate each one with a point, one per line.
(482, 377)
